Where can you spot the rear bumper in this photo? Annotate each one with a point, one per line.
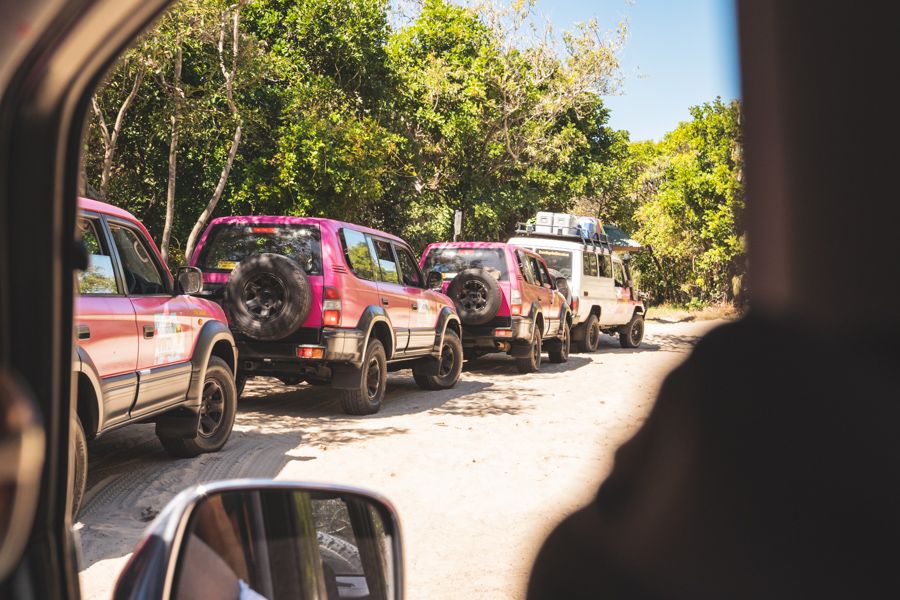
(499, 335)
(334, 347)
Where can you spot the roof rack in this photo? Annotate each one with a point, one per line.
(571, 234)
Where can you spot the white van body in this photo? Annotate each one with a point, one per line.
(590, 271)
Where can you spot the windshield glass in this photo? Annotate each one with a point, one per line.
(451, 261)
(230, 243)
(561, 260)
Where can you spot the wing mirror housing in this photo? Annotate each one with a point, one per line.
(276, 539)
(189, 280)
(434, 280)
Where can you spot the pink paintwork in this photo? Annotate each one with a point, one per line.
(515, 281)
(355, 293)
(116, 321)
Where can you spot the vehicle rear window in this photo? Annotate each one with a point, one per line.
(230, 243)
(560, 260)
(451, 261)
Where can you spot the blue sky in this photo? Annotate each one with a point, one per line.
(678, 53)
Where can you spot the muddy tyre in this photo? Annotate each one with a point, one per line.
(218, 406)
(562, 284)
(591, 340)
(450, 366)
(79, 449)
(366, 398)
(532, 362)
(559, 351)
(631, 335)
(267, 297)
(476, 295)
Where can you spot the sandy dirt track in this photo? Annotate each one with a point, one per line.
(479, 474)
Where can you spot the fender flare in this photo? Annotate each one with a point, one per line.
(371, 317)
(534, 312)
(182, 421)
(82, 363)
(445, 317)
(211, 333)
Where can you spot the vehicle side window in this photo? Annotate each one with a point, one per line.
(619, 274)
(590, 264)
(541, 277)
(142, 276)
(605, 269)
(386, 261)
(409, 269)
(99, 278)
(526, 268)
(358, 255)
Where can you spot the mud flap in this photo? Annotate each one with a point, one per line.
(578, 332)
(520, 350)
(428, 366)
(345, 377)
(179, 423)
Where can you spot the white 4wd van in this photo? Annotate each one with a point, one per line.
(603, 296)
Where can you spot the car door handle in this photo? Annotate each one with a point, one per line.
(84, 332)
(384, 301)
(585, 292)
(149, 330)
(415, 306)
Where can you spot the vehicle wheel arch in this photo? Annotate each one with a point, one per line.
(214, 339)
(89, 397)
(382, 332)
(447, 319)
(595, 310)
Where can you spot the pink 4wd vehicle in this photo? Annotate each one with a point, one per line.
(145, 349)
(328, 303)
(506, 299)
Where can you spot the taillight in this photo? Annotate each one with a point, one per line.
(574, 306)
(515, 302)
(331, 306)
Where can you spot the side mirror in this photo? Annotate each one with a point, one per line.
(279, 540)
(434, 280)
(189, 280)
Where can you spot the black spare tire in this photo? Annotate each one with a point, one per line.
(267, 297)
(476, 295)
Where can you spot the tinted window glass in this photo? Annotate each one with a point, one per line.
(619, 274)
(99, 277)
(452, 261)
(230, 243)
(409, 269)
(541, 276)
(359, 257)
(561, 260)
(386, 261)
(526, 267)
(142, 276)
(605, 269)
(590, 264)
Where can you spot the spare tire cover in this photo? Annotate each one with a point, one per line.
(476, 295)
(268, 297)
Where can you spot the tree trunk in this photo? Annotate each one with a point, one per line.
(173, 156)
(229, 75)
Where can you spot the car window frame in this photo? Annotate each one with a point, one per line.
(525, 267)
(376, 269)
(105, 238)
(164, 271)
(585, 262)
(412, 255)
(374, 252)
(622, 267)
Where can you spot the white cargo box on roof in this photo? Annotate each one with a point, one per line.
(565, 221)
(544, 218)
